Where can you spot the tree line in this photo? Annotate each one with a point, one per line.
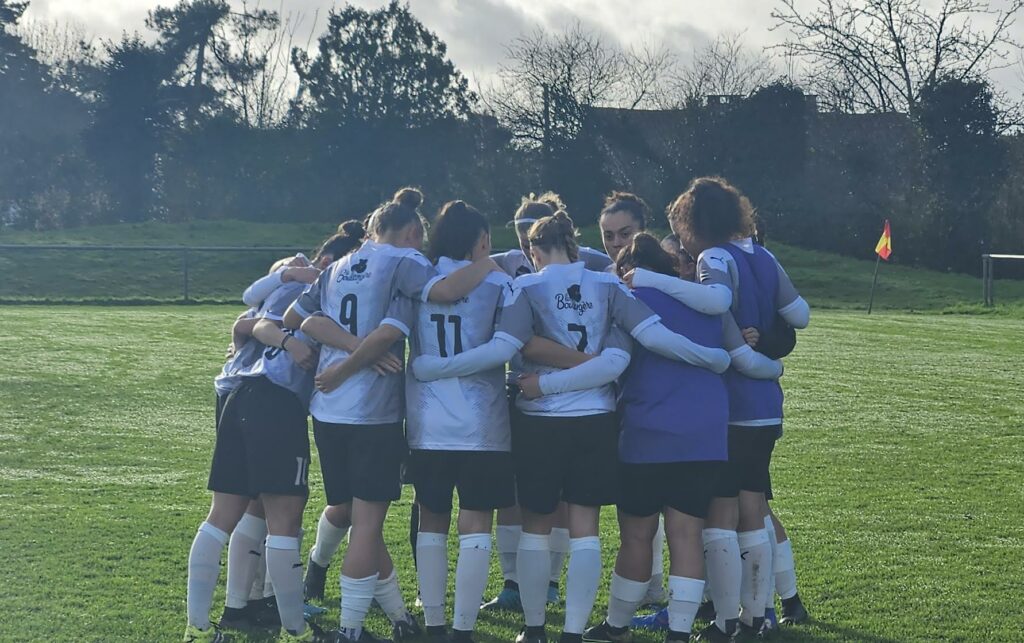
(871, 109)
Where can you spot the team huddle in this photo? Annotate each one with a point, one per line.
(542, 384)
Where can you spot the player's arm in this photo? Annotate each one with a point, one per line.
(327, 331)
(708, 298)
(791, 306)
(269, 332)
(599, 370)
(445, 290)
(370, 350)
(514, 328)
(634, 317)
(308, 304)
(542, 350)
(241, 331)
(744, 358)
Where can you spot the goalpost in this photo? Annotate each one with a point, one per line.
(987, 276)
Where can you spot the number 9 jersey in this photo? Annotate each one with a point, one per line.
(374, 285)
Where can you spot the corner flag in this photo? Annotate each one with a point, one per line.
(884, 247)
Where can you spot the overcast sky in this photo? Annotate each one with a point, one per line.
(477, 30)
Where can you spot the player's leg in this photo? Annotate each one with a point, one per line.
(331, 530)
(245, 558)
(592, 481)
(755, 547)
(784, 568)
(506, 535)
(559, 551)
(721, 547)
(434, 475)
(388, 594)
(686, 571)
(656, 588)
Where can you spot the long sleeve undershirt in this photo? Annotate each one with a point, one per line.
(710, 299)
(600, 370)
(659, 339)
(262, 288)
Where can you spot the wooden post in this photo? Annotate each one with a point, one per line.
(184, 274)
(874, 280)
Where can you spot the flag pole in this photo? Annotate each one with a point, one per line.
(874, 280)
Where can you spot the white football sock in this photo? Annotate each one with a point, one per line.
(624, 598)
(203, 570)
(471, 579)
(581, 582)
(356, 596)
(508, 545)
(559, 544)
(533, 568)
(769, 527)
(785, 570)
(756, 587)
(284, 566)
(389, 596)
(432, 568)
(328, 540)
(260, 575)
(684, 596)
(245, 556)
(722, 565)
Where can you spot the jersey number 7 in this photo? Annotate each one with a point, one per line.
(582, 330)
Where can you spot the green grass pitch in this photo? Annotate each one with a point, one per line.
(899, 476)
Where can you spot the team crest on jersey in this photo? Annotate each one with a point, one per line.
(355, 272)
(573, 299)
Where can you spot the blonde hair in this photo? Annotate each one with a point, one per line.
(555, 232)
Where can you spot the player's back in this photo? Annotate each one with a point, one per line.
(465, 413)
(571, 305)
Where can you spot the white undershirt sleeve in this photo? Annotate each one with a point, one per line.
(661, 340)
(710, 299)
(603, 369)
(797, 314)
(493, 354)
(262, 288)
(755, 365)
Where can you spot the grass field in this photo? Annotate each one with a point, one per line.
(826, 280)
(899, 477)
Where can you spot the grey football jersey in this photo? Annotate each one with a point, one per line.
(229, 378)
(463, 413)
(276, 364)
(372, 286)
(577, 308)
(515, 263)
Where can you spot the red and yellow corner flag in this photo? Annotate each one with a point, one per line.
(884, 247)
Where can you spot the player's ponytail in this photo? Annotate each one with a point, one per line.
(456, 231)
(350, 236)
(556, 232)
(712, 212)
(396, 214)
(644, 251)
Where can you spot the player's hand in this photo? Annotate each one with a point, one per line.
(529, 386)
(301, 352)
(387, 364)
(329, 379)
(628, 278)
(306, 274)
(230, 352)
(751, 336)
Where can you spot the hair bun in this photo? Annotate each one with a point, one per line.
(552, 200)
(409, 197)
(353, 229)
(565, 224)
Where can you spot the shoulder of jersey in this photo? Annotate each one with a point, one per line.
(717, 258)
(530, 278)
(498, 279)
(411, 253)
(605, 277)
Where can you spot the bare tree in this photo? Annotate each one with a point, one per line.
(66, 48)
(878, 55)
(550, 81)
(722, 67)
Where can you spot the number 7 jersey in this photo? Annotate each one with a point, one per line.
(464, 413)
(374, 285)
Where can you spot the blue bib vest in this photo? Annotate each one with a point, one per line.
(752, 399)
(672, 411)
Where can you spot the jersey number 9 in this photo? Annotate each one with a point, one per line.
(348, 313)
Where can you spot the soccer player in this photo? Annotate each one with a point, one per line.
(518, 262)
(357, 411)
(458, 429)
(673, 443)
(565, 437)
(262, 452)
(714, 222)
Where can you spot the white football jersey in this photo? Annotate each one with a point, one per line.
(461, 413)
(577, 308)
(515, 263)
(372, 286)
